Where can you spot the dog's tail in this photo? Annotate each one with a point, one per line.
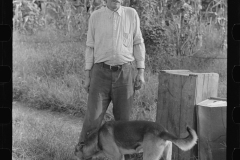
(183, 143)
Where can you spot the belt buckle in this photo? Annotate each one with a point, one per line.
(115, 68)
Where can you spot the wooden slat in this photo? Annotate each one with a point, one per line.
(169, 104)
(213, 85)
(211, 130)
(218, 98)
(178, 72)
(199, 88)
(174, 98)
(205, 87)
(162, 110)
(187, 111)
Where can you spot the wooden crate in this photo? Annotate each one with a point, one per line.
(178, 93)
(211, 124)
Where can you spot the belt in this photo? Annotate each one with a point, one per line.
(112, 68)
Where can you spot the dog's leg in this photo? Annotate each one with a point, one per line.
(114, 156)
(99, 155)
(153, 147)
(167, 153)
(122, 157)
(139, 149)
(110, 148)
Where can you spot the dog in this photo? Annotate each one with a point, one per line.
(114, 139)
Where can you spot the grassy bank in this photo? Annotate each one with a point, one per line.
(47, 73)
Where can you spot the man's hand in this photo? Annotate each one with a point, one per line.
(87, 81)
(139, 81)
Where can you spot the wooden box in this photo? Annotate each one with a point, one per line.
(178, 93)
(211, 124)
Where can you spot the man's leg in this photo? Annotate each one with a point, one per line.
(122, 92)
(98, 100)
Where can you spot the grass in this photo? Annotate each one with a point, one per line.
(49, 74)
(41, 136)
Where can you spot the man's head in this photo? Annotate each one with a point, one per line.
(113, 4)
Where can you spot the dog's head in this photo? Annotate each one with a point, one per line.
(90, 146)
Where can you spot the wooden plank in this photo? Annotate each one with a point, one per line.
(212, 129)
(199, 88)
(162, 104)
(213, 85)
(218, 98)
(178, 72)
(174, 98)
(204, 153)
(207, 86)
(175, 71)
(187, 112)
(168, 107)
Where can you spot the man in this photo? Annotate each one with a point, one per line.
(114, 41)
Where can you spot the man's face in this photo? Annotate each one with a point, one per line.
(114, 4)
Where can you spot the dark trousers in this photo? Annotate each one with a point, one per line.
(106, 86)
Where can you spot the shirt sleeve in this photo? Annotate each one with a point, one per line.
(138, 43)
(89, 52)
(90, 32)
(89, 58)
(137, 34)
(139, 54)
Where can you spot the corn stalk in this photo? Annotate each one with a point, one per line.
(216, 12)
(26, 17)
(63, 15)
(184, 29)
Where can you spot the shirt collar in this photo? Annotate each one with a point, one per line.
(119, 11)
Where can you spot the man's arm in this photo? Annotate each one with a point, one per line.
(89, 53)
(138, 52)
(89, 58)
(88, 66)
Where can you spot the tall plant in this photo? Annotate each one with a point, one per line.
(27, 16)
(170, 28)
(63, 15)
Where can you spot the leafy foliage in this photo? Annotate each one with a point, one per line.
(172, 29)
(27, 16)
(65, 16)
